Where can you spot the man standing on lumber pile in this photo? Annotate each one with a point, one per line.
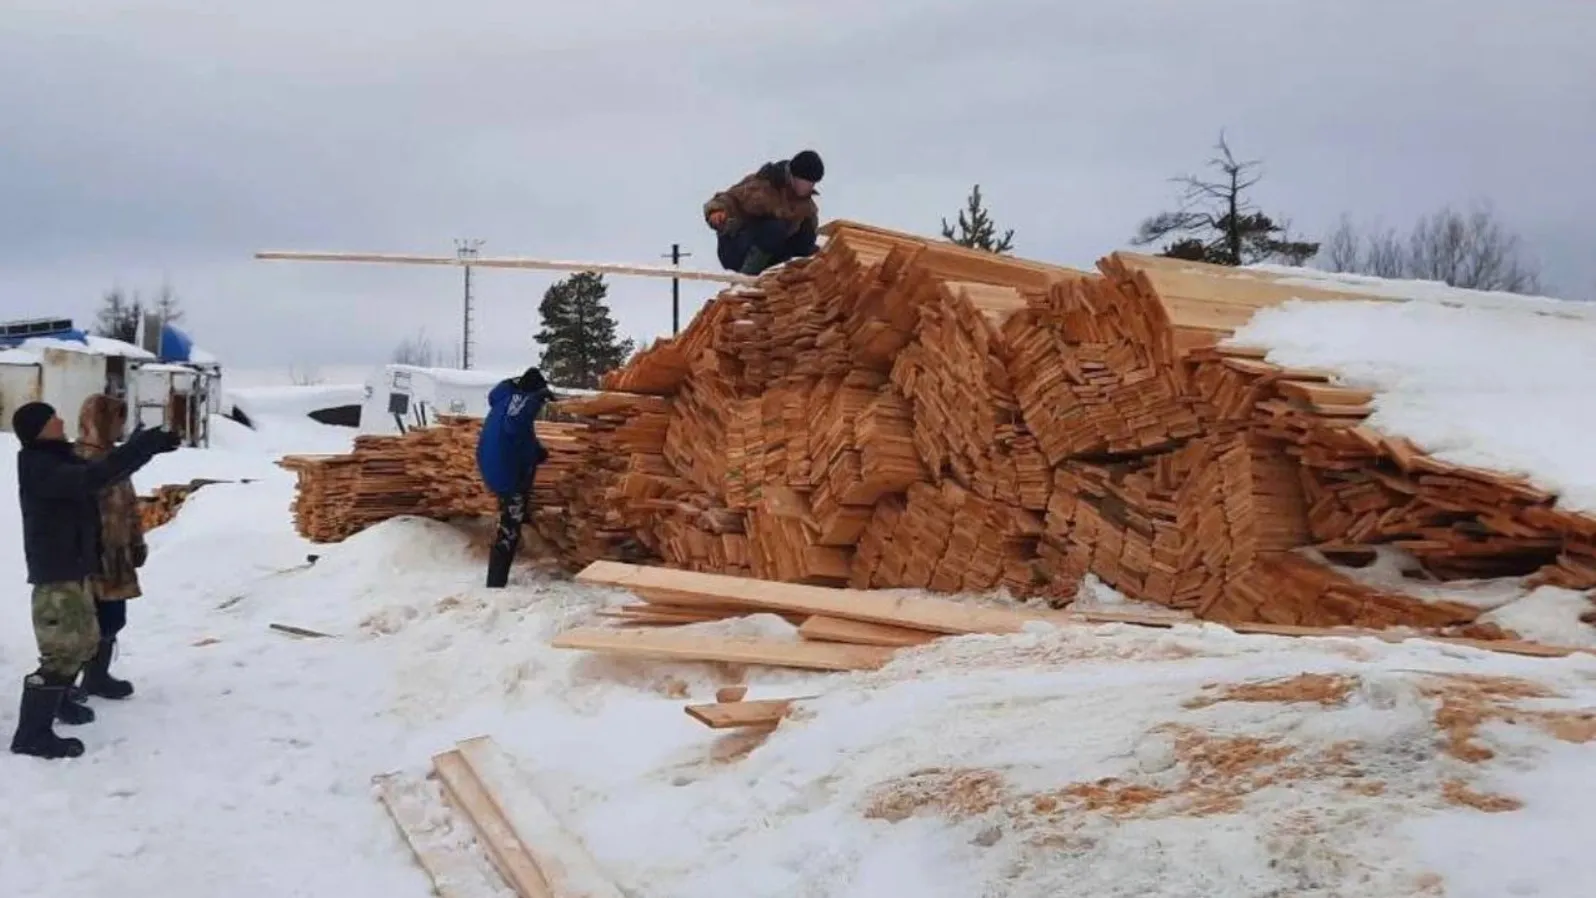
(769, 216)
(508, 455)
(60, 497)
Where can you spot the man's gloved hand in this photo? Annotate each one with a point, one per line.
(717, 219)
(159, 439)
(141, 554)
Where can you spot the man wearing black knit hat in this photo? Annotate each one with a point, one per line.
(60, 494)
(769, 216)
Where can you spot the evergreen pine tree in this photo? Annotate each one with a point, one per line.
(579, 334)
(976, 229)
(1217, 224)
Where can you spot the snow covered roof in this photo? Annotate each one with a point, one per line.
(18, 357)
(95, 345)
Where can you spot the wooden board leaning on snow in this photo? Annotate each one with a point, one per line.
(534, 853)
(907, 621)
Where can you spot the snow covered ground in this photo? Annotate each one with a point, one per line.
(1109, 761)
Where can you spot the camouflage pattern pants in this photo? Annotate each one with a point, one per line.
(65, 626)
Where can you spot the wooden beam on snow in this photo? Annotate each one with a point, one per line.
(679, 646)
(735, 715)
(678, 587)
(568, 871)
(653, 271)
(822, 628)
(509, 856)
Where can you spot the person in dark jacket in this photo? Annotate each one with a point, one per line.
(768, 217)
(508, 455)
(60, 497)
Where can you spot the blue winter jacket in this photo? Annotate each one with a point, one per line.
(508, 452)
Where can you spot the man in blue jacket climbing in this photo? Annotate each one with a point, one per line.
(508, 455)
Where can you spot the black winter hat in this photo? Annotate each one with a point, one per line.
(532, 380)
(807, 165)
(28, 421)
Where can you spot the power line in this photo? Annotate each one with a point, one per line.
(466, 249)
(676, 255)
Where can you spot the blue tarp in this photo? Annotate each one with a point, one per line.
(175, 345)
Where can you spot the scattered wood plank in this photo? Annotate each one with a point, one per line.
(733, 715)
(822, 628)
(667, 586)
(292, 630)
(677, 646)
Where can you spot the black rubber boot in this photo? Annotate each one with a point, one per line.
(97, 679)
(35, 721)
(73, 711)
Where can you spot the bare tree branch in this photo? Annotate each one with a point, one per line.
(1473, 250)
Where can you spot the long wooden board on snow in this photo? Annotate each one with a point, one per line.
(822, 628)
(454, 871)
(678, 587)
(471, 796)
(677, 646)
(567, 869)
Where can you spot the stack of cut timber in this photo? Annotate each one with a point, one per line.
(894, 411)
(967, 422)
(1366, 488)
(1172, 528)
(162, 505)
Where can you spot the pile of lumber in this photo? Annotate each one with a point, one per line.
(162, 505)
(530, 851)
(898, 412)
(843, 629)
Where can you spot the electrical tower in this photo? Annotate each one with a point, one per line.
(465, 250)
(676, 255)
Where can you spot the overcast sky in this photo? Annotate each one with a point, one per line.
(149, 140)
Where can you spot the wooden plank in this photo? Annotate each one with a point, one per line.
(678, 646)
(657, 271)
(823, 628)
(672, 586)
(454, 871)
(292, 630)
(509, 855)
(567, 868)
(732, 715)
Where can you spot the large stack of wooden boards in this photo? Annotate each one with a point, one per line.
(897, 412)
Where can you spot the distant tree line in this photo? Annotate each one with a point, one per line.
(120, 312)
(1215, 220)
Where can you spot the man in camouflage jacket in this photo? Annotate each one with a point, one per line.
(60, 498)
(101, 422)
(769, 216)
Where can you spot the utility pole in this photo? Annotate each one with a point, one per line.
(466, 249)
(676, 255)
